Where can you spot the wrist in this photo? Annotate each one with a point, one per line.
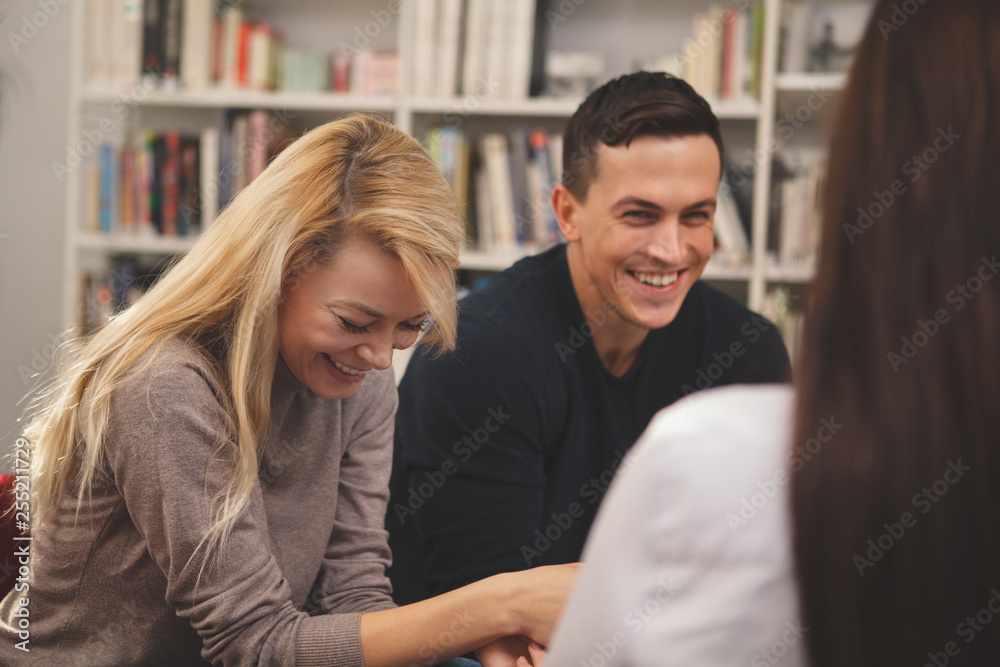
(503, 596)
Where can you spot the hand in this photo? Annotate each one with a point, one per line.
(538, 656)
(504, 652)
(537, 597)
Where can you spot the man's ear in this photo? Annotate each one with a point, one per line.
(566, 208)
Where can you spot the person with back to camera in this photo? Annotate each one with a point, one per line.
(504, 448)
(209, 471)
(871, 536)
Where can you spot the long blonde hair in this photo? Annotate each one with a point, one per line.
(356, 176)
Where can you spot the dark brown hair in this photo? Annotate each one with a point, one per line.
(896, 526)
(633, 105)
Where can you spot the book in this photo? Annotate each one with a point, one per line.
(196, 53)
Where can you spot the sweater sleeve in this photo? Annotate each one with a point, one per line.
(169, 452)
(353, 575)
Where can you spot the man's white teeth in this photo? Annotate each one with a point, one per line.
(344, 369)
(656, 279)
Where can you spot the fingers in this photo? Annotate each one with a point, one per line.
(537, 654)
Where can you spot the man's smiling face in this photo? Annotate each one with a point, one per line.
(645, 231)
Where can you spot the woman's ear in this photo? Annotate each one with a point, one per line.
(566, 208)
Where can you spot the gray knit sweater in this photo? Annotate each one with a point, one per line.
(309, 554)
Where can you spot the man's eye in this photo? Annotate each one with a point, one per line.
(639, 215)
(353, 328)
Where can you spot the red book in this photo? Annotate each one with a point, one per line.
(170, 183)
(243, 53)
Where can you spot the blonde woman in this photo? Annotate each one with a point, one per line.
(209, 472)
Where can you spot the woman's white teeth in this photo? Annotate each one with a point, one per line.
(344, 369)
(656, 279)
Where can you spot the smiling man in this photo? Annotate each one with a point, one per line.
(505, 448)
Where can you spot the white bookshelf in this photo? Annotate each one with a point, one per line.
(750, 120)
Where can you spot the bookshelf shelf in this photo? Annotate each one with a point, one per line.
(247, 99)
(792, 273)
(751, 120)
(803, 82)
(134, 243)
(540, 106)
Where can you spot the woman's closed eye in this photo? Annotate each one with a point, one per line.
(352, 327)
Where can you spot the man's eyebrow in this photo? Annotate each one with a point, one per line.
(700, 204)
(636, 201)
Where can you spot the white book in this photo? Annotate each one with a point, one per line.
(259, 67)
(209, 168)
(447, 54)
(695, 54)
(556, 158)
(497, 159)
(130, 56)
(714, 25)
(197, 20)
(729, 230)
(792, 219)
(425, 48)
(229, 73)
(497, 50)
(521, 40)
(98, 43)
(539, 203)
(798, 26)
(475, 36)
(484, 220)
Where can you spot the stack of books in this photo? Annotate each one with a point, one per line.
(477, 48)
(171, 184)
(198, 45)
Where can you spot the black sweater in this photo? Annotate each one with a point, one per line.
(504, 448)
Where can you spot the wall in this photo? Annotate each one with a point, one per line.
(34, 81)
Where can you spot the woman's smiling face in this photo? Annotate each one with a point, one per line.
(344, 318)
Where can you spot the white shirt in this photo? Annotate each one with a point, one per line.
(689, 561)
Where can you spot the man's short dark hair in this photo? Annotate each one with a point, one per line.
(633, 105)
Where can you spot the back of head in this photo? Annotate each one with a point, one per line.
(895, 517)
(633, 105)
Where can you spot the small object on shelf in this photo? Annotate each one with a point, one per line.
(573, 73)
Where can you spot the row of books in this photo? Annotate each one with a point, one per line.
(504, 182)
(172, 184)
(799, 220)
(787, 310)
(107, 294)
(198, 45)
(478, 48)
(722, 58)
